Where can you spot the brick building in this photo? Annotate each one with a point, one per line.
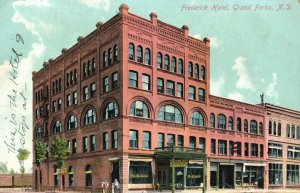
(133, 100)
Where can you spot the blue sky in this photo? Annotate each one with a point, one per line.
(251, 51)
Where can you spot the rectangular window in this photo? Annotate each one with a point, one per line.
(191, 92)
(192, 142)
(275, 173)
(254, 150)
(180, 90)
(114, 80)
(68, 100)
(75, 75)
(133, 139)
(238, 147)
(160, 85)
(85, 93)
(246, 149)
(71, 77)
(67, 79)
(222, 147)
(105, 140)
(202, 144)
(160, 140)
(54, 106)
(84, 70)
(201, 93)
(231, 145)
(85, 144)
(105, 84)
(74, 146)
(140, 172)
(114, 136)
(93, 89)
(74, 98)
(92, 143)
(213, 146)
(261, 150)
(275, 150)
(293, 152)
(59, 104)
(133, 79)
(170, 88)
(146, 140)
(180, 141)
(171, 140)
(292, 174)
(146, 82)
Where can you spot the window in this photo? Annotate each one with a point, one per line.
(160, 140)
(247, 149)
(105, 84)
(293, 152)
(133, 139)
(221, 121)
(55, 176)
(140, 172)
(254, 150)
(39, 133)
(104, 58)
(166, 62)
(171, 140)
(140, 54)
(88, 176)
(170, 88)
(93, 89)
(298, 132)
(89, 68)
(139, 109)
(275, 150)
(238, 124)
(180, 141)
(54, 106)
(110, 56)
(146, 140)
(133, 79)
(192, 94)
(292, 174)
(74, 98)
(279, 129)
(202, 76)
(67, 81)
(192, 142)
(238, 147)
(275, 173)
(222, 144)
(145, 82)
(288, 130)
(159, 60)
(261, 128)
(190, 69)
(59, 104)
(246, 126)
(147, 56)
(230, 123)
(270, 128)
(196, 118)
(111, 110)
(115, 53)
(105, 141)
(131, 51)
(202, 145)
(68, 100)
(90, 117)
(93, 66)
(274, 128)
(71, 176)
(180, 66)
(201, 94)
(85, 144)
(114, 80)
(261, 152)
(160, 85)
(72, 122)
(169, 113)
(174, 65)
(212, 120)
(92, 142)
(253, 127)
(56, 127)
(85, 93)
(179, 90)
(74, 146)
(231, 145)
(213, 146)
(293, 132)
(114, 139)
(197, 71)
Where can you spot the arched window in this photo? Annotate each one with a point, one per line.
(139, 109)
(298, 132)
(196, 118)
(230, 123)
(39, 133)
(180, 66)
(279, 129)
(270, 127)
(111, 110)
(110, 55)
(116, 52)
(197, 71)
(89, 117)
(190, 69)
(174, 65)
(140, 54)
(56, 128)
(293, 132)
(261, 128)
(288, 130)
(169, 113)
(93, 67)
(72, 122)
(147, 56)
(253, 127)
(202, 73)
(212, 120)
(274, 128)
(221, 121)
(55, 174)
(104, 58)
(238, 124)
(159, 60)
(167, 62)
(246, 126)
(88, 176)
(131, 51)
(71, 176)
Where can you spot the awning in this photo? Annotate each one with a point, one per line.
(255, 164)
(141, 159)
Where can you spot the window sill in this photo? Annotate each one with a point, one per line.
(173, 96)
(169, 72)
(198, 80)
(110, 65)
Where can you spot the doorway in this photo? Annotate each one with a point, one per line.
(115, 171)
(226, 176)
(63, 181)
(260, 179)
(162, 179)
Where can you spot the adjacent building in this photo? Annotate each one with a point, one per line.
(133, 101)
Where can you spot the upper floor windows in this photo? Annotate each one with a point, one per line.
(72, 123)
(212, 120)
(104, 59)
(133, 79)
(131, 55)
(292, 131)
(139, 109)
(170, 113)
(202, 73)
(89, 67)
(56, 86)
(201, 94)
(174, 65)
(39, 133)
(221, 121)
(56, 127)
(159, 60)
(246, 126)
(140, 54)
(167, 62)
(190, 69)
(238, 124)
(192, 93)
(197, 71)
(147, 56)
(114, 80)
(111, 110)
(253, 127)
(110, 56)
(230, 123)
(180, 66)
(89, 117)
(71, 77)
(146, 85)
(170, 88)
(196, 118)
(116, 52)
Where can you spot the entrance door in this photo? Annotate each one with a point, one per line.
(226, 176)
(162, 179)
(260, 177)
(63, 181)
(115, 171)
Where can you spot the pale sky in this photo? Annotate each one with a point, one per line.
(252, 51)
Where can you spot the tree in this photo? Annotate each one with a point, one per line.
(23, 155)
(40, 155)
(3, 168)
(59, 153)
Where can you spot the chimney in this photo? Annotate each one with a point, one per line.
(207, 41)
(153, 17)
(123, 9)
(185, 29)
(63, 50)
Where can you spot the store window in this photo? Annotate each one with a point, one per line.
(275, 173)
(275, 150)
(88, 176)
(213, 174)
(292, 174)
(71, 176)
(140, 172)
(194, 176)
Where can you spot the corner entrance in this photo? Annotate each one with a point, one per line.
(226, 176)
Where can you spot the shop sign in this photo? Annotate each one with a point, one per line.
(179, 163)
(139, 176)
(63, 171)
